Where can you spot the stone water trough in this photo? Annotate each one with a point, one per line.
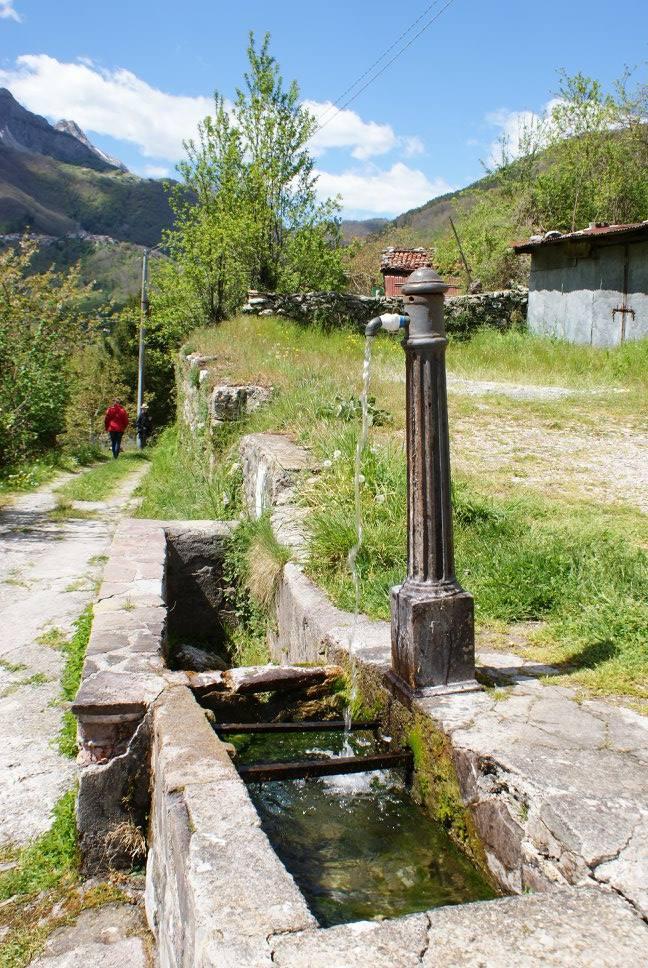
(538, 798)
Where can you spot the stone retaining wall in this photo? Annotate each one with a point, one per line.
(502, 309)
(204, 407)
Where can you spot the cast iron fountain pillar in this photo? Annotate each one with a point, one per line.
(433, 637)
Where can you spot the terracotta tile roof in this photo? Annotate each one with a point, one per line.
(403, 260)
(597, 231)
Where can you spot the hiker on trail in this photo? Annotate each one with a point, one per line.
(116, 422)
(144, 425)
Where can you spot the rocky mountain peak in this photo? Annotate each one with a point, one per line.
(71, 127)
(22, 130)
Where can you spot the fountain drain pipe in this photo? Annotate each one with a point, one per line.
(432, 624)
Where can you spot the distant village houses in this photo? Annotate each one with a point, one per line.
(590, 286)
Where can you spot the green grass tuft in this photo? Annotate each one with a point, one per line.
(179, 485)
(100, 481)
(51, 860)
(75, 651)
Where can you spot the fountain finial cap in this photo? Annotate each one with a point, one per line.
(424, 282)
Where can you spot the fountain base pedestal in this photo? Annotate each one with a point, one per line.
(433, 639)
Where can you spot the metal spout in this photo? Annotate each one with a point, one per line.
(391, 322)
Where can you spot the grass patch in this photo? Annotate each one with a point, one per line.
(64, 511)
(75, 650)
(52, 860)
(100, 481)
(42, 891)
(521, 357)
(179, 484)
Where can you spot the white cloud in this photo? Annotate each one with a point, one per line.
(514, 126)
(412, 145)
(156, 171)
(7, 11)
(378, 191)
(346, 129)
(115, 103)
(120, 104)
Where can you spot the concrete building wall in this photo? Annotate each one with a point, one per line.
(573, 291)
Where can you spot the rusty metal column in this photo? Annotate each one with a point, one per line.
(433, 638)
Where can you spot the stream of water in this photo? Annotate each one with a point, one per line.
(358, 851)
(357, 487)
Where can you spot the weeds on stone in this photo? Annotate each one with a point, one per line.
(37, 679)
(55, 638)
(81, 585)
(97, 560)
(12, 666)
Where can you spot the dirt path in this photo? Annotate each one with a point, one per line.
(607, 467)
(606, 463)
(48, 574)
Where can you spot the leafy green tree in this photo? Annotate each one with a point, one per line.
(275, 131)
(42, 323)
(210, 248)
(247, 214)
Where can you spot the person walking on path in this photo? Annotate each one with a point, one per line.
(144, 425)
(116, 422)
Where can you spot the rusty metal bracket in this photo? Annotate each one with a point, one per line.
(623, 309)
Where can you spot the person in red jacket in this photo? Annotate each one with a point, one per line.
(116, 422)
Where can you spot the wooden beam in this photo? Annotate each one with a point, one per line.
(304, 769)
(307, 726)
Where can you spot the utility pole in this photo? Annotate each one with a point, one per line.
(461, 253)
(144, 311)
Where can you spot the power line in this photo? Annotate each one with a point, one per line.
(382, 57)
(384, 68)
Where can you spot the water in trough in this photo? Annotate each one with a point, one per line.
(358, 846)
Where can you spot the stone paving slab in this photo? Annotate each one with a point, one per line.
(566, 929)
(111, 936)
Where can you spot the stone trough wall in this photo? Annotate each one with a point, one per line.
(217, 895)
(125, 669)
(502, 309)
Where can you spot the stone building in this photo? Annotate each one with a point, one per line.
(590, 286)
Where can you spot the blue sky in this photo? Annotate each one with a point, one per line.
(137, 76)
